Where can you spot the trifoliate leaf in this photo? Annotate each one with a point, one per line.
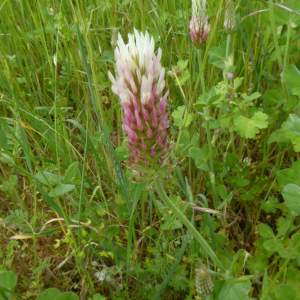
(248, 128)
(269, 206)
(178, 116)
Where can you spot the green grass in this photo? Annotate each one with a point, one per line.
(60, 117)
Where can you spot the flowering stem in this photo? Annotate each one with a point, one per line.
(227, 45)
(182, 218)
(206, 114)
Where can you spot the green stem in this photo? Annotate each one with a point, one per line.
(206, 113)
(182, 218)
(227, 45)
(287, 44)
(273, 27)
(211, 162)
(277, 48)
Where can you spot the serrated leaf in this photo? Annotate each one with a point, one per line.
(178, 116)
(250, 127)
(270, 205)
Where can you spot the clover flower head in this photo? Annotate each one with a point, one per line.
(139, 84)
(199, 26)
(229, 19)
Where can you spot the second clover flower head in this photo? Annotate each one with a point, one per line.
(139, 84)
(199, 26)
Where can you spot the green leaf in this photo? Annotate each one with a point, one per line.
(278, 137)
(237, 82)
(295, 139)
(108, 56)
(250, 127)
(273, 245)
(52, 178)
(111, 231)
(251, 97)
(48, 294)
(122, 212)
(222, 192)
(4, 158)
(291, 76)
(291, 195)
(218, 54)
(182, 79)
(70, 173)
(265, 284)
(3, 138)
(242, 182)
(171, 225)
(244, 278)
(6, 186)
(271, 97)
(235, 291)
(271, 205)
(258, 264)
(296, 91)
(185, 137)
(62, 189)
(199, 158)
(178, 116)
(8, 280)
(285, 291)
(280, 17)
(266, 231)
(121, 153)
(13, 179)
(98, 297)
(292, 175)
(205, 151)
(293, 125)
(67, 296)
